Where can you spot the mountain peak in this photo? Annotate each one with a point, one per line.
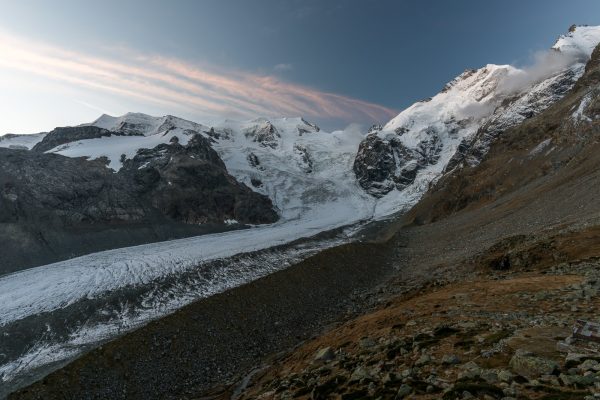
(581, 39)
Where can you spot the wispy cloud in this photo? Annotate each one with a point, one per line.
(92, 106)
(283, 67)
(176, 84)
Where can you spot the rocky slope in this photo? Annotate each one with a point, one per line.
(482, 339)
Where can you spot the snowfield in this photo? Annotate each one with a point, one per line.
(21, 141)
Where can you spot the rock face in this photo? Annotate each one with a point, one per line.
(265, 133)
(385, 163)
(70, 134)
(512, 112)
(191, 184)
(54, 207)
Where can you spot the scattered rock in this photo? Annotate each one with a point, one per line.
(404, 391)
(360, 374)
(489, 376)
(325, 354)
(423, 360)
(578, 381)
(505, 376)
(450, 359)
(530, 366)
(589, 365)
(367, 343)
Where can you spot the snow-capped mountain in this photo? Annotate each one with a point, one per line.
(129, 167)
(290, 160)
(157, 167)
(459, 123)
(300, 167)
(350, 177)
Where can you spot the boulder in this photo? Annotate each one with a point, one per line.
(531, 366)
(324, 354)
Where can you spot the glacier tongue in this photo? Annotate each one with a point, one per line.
(307, 173)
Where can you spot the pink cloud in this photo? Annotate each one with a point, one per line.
(179, 85)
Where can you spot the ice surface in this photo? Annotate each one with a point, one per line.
(61, 284)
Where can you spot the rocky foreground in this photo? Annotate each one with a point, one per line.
(498, 337)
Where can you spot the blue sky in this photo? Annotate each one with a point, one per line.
(332, 61)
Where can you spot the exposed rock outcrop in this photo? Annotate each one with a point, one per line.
(307, 127)
(54, 207)
(385, 163)
(265, 133)
(191, 184)
(71, 134)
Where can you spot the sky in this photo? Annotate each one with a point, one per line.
(335, 62)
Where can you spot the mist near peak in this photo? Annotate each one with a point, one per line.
(545, 64)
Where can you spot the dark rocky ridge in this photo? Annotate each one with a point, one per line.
(71, 134)
(384, 164)
(191, 184)
(54, 207)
